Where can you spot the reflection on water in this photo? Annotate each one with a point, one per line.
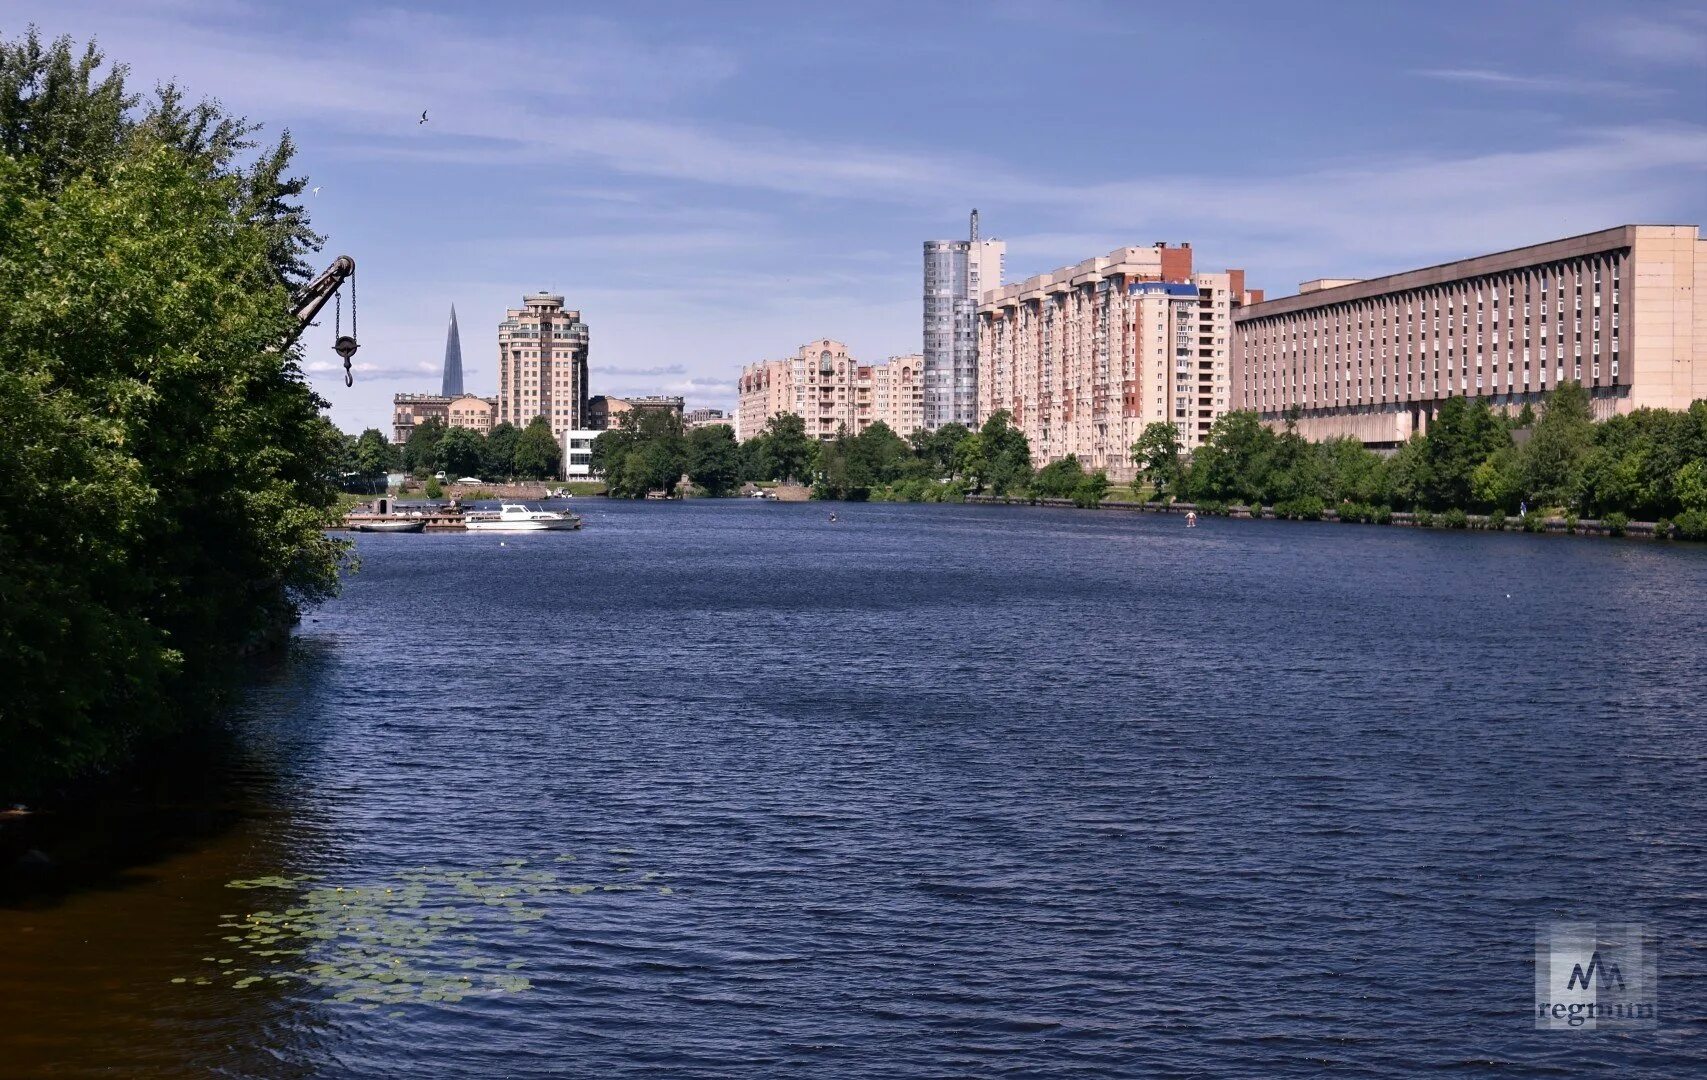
(719, 789)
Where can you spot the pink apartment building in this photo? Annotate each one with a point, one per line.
(829, 390)
(1086, 356)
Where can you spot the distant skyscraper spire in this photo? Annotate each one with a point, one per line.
(453, 359)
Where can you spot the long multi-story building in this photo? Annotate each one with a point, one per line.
(1084, 357)
(831, 392)
(1622, 311)
(465, 410)
(542, 365)
(957, 273)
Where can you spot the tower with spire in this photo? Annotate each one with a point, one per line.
(453, 360)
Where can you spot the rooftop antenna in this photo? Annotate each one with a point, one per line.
(974, 224)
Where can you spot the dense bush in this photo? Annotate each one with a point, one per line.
(1691, 525)
(1616, 523)
(1496, 520)
(1535, 521)
(1454, 519)
(1305, 508)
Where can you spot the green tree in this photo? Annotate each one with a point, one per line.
(1091, 490)
(1157, 453)
(460, 452)
(714, 459)
(170, 471)
(1004, 455)
(646, 452)
(1058, 479)
(940, 449)
(499, 462)
(1558, 448)
(1464, 433)
(421, 450)
(882, 455)
(374, 456)
(1233, 463)
(791, 452)
(842, 472)
(537, 455)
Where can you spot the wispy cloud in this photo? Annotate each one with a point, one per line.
(1540, 84)
(649, 372)
(1675, 37)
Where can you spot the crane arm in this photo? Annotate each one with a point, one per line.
(307, 304)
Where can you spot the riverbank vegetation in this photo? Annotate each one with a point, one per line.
(505, 453)
(1648, 465)
(167, 468)
(651, 452)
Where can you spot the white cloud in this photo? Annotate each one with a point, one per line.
(1541, 84)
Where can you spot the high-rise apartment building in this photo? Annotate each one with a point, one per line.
(1622, 311)
(452, 382)
(542, 365)
(831, 391)
(957, 274)
(898, 393)
(1084, 357)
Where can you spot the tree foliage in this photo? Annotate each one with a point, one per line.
(714, 459)
(646, 452)
(460, 452)
(1642, 465)
(373, 456)
(168, 469)
(537, 455)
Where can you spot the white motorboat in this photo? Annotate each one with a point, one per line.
(515, 517)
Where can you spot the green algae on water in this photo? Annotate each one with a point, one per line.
(425, 936)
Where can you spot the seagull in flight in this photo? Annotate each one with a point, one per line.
(317, 192)
(423, 116)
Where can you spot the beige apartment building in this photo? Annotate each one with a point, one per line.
(466, 410)
(1086, 356)
(829, 390)
(542, 365)
(1623, 311)
(898, 393)
(474, 413)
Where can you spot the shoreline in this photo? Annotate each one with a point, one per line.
(1641, 530)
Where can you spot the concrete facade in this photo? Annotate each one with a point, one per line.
(1622, 311)
(1084, 357)
(542, 365)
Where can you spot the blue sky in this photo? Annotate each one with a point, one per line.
(716, 183)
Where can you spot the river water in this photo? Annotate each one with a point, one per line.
(727, 789)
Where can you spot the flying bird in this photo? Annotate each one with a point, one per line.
(317, 191)
(423, 116)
